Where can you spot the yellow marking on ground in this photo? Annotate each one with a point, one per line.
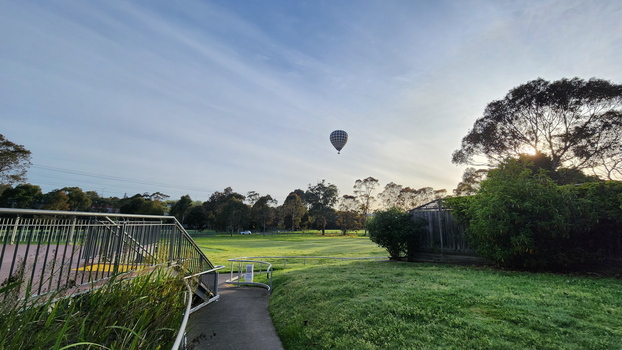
(108, 267)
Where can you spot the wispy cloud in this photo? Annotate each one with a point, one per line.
(213, 94)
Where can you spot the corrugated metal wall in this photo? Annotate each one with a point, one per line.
(444, 234)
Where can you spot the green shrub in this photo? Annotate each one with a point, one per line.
(522, 219)
(459, 207)
(395, 231)
(600, 223)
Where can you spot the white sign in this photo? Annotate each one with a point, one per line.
(248, 276)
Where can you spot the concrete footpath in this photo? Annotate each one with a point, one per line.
(239, 320)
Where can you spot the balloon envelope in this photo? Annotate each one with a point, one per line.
(338, 138)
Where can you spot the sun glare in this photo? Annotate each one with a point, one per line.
(528, 150)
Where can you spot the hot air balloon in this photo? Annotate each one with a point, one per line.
(338, 138)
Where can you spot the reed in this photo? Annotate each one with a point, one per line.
(143, 312)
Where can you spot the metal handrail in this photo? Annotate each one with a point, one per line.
(269, 269)
(189, 310)
(241, 260)
(77, 244)
(310, 257)
(78, 213)
(54, 250)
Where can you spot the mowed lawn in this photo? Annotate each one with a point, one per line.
(398, 305)
(220, 248)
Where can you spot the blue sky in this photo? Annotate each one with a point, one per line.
(190, 97)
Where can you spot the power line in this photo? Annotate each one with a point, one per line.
(122, 179)
(95, 187)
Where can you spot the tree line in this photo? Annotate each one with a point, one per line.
(318, 207)
(29, 196)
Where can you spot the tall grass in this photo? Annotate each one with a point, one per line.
(144, 312)
(388, 305)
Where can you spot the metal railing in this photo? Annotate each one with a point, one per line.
(241, 270)
(69, 252)
(189, 309)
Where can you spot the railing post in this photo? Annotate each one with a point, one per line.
(15, 230)
(73, 228)
(215, 290)
(171, 246)
(119, 247)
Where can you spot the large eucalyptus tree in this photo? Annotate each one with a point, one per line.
(575, 123)
(14, 162)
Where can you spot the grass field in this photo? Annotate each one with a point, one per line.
(392, 305)
(383, 305)
(219, 248)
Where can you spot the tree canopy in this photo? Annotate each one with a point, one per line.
(363, 190)
(406, 198)
(78, 200)
(180, 208)
(576, 123)
(14, 161)
(24, 196)
(56, 200)
(262, 211)
(322, 197)
(141, 204)
(351, 213)
(293, 210)
(471, 180)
